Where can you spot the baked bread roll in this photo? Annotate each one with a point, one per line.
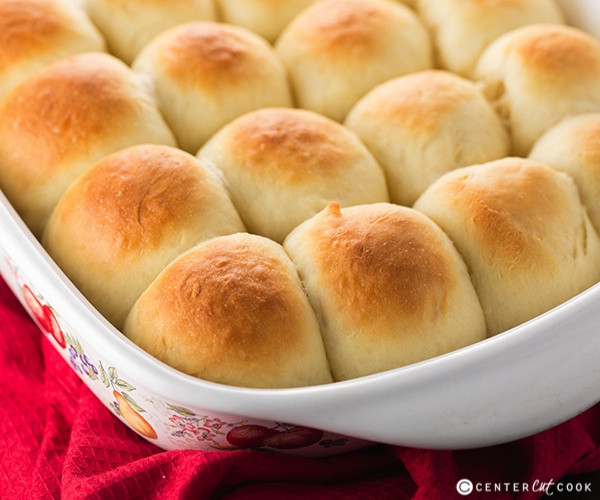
(128, 25)
(422, 125)
(267, 18)
(538, 75)
(388, 287)
(462, 29)
(338, 50)
(573, 146)
(57, 123)
(232, 310)
(283, 165)
(34, 33)
(207, 74)
(125, 219)
(523, 233)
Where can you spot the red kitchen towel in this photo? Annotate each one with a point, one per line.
(58, 441)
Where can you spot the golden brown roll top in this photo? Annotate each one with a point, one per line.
(422, 125)
(60, 121)
(573, 146)
(388, 287)
(284, 165)
(462, 29)
(34, 33)
(207, 74)
(267, 18)
(121, 222)
(232, 310)
(337, 50)
(539, 74)
(523, 233)
(128, 25)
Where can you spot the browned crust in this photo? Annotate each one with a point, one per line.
(382, 261)
(228, 303)
(132, 200)
(210, 55)
(59, 113)
(341, 25)
(421, 100)
(588, 145)
(29, 27)
(290, 145)
(559, 51)
(509, 204)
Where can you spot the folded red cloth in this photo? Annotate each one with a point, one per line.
(58, 440)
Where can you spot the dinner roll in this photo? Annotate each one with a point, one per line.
(538, 74)
(422, 125)
(337, 50)
(523, 233)
(573, 146)
(34, 33)
(57, 123)
(131, 214)
(388, 287)
(207, 74)
(267, 18)
(462, 29)
(232, 310)
(284, 165)
(128, 25)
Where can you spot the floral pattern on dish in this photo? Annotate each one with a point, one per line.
(241, 435)
(173, 426)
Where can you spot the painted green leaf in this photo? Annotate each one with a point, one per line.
(121, 384)
(68, 338)
(182, 411)
(78, 347)
(103, 375)
(133, 404)
(112, 373)
(90, 372)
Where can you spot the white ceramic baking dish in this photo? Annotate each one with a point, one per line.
(525, 380)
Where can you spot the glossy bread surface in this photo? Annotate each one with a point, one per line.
(519, 382)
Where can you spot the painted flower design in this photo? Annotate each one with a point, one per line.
(186, 424)
(214, 423)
